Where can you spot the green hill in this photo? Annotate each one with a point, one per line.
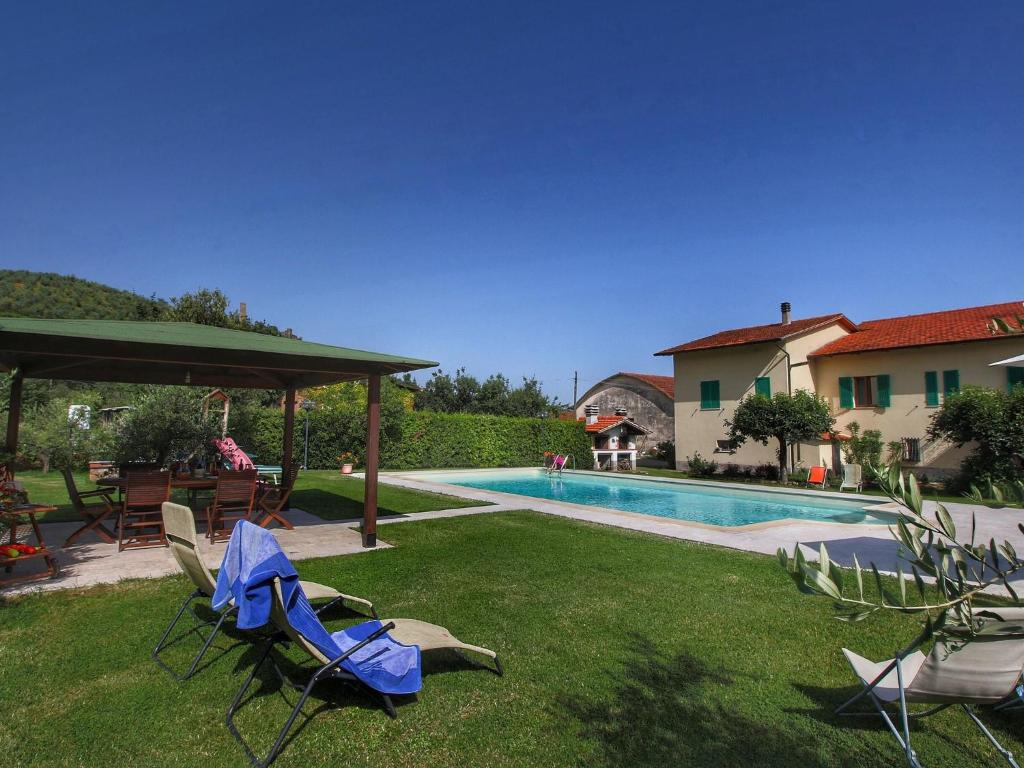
(47, 294)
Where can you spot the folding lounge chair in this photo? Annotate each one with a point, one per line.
(816, 476)
(378, 638)
(852, 477)
(984, 670)
(184, 543)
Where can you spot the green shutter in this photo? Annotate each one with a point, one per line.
(763, 386)
(950, 382)
(884, 391)
(709, 395)
(931, 388)
(845, 392)
(1014, 376)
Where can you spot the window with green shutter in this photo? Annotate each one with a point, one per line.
(763, 386)
(709, 399)
(950, 382)
(846, 392)
(884, 390)
(931, 388)
(1014, 376)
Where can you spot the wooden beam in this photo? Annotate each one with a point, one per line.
(14, 413)
(372, 461)
(289, 427)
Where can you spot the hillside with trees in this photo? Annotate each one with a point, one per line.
(47, 294)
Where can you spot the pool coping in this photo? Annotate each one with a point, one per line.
(506, 499)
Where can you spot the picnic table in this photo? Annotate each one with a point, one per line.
(14, 517)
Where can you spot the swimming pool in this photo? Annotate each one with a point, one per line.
(711, 505)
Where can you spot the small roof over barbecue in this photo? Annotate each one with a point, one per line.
(605, 423)
(143, 352)
(756, 334)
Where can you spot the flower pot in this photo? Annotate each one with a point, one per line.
(346, 469)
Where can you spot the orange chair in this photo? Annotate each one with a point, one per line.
(817, 476)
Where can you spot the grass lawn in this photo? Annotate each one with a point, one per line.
(620, 648)
(326, 494)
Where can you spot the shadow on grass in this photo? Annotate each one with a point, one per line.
(663, 711)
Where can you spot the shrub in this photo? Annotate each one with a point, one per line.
(701, 467)
(766, 472)
(732, 470)
(864, 448)
(666, 451)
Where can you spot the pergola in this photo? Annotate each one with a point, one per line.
(138, 352)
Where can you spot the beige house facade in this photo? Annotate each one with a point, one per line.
(890, 375)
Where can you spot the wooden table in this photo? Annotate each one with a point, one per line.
(190, 484)
(13, 517)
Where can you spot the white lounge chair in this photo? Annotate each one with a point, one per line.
(983, 670)
(180, 528)
(852, 477)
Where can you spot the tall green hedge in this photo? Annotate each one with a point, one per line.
(417, 440)
(442, 440)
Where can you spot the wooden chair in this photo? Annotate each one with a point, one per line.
(275, 501)
(232, 501)
(141, 524)
(93, 514)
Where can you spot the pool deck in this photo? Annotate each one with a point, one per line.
(870, 543)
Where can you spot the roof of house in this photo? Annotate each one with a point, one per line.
(759, 333)
(605, 423)
(949, 327)
(664, 384)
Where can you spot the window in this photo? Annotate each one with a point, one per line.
(709, 398)
(912, 449)
(950, 383)
(725, 446)
(865, 391)
(931, 388)
(1014, 376)
(763, 386)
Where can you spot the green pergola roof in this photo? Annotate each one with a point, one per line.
(181, 353)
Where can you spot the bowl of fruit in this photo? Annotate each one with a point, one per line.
(17, 550)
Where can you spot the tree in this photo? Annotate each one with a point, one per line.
(53, 436)
(991, 419)
(785, 418)
(166, 423)
(211, 307)
(463, 393)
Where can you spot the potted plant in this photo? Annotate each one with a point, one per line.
(347, 460)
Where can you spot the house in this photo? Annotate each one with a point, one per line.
(889, 374)
(647, 399)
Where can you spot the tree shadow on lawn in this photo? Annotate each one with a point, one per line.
(663, 713)
(333, 506)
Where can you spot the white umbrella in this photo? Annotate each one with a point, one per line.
(1010, 361)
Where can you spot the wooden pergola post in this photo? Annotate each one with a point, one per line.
(372, 461)
(289, 428)
(14, 413)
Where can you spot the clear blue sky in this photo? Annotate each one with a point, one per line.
(522, 187)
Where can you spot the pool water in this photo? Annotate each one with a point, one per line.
(702, 504)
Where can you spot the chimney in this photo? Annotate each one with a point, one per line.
(785, 312)
(243, 312)
(591, 412)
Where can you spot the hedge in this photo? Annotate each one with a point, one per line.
(415, 440)
(443, 440)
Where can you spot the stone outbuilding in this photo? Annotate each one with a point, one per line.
(647, 399)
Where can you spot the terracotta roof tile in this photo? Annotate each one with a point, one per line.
(758, 333)
(664, 384)
(951, 326)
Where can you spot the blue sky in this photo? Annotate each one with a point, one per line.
(532, 188)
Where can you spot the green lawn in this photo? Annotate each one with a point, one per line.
(329, 495)
(620, 648)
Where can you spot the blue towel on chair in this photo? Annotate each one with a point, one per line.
(251, 563)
